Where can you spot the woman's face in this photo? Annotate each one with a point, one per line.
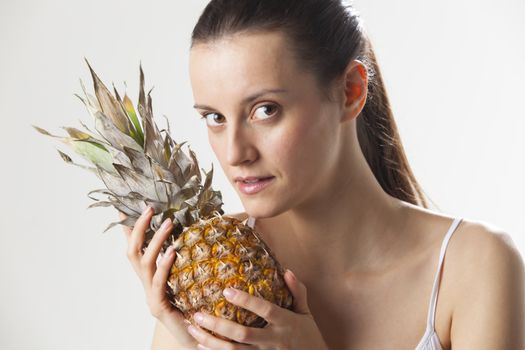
(266, 118)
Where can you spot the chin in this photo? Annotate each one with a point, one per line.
(262, 207)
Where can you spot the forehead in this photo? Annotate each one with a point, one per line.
(242, 62)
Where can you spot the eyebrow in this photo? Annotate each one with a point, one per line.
(248, 99)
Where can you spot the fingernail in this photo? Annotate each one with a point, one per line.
(202, 347)
(292, 275)
(229, 293)
(198, 317)
(165, 224)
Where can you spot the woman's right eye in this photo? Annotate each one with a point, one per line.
(212, 119)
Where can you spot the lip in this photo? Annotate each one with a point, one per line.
(252, 188)
(250, 178)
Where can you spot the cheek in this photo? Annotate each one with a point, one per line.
(300, 150)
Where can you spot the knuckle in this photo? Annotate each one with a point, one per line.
(292, 326)
(205, 340)
(155, 283)
(241, 298)
(166, 261)
(158, 283)
(268, 311)
(144, 263)
(155, 312)
(130, 254)
(211, 324)
(154, 308)
(231, 346)
(242, 335)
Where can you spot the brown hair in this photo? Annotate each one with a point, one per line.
(325, 36)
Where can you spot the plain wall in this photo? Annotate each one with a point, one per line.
(453, 70)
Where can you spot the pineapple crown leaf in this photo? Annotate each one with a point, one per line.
(128, 221)
(138, 163)
(100, 204)
(109, 104)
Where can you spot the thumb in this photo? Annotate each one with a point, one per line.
(298, 289)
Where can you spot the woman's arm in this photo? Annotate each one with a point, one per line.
(491, 310)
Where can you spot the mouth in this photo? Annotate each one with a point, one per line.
(251, 179)
(252, 185)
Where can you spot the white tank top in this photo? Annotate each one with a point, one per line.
(430, 339)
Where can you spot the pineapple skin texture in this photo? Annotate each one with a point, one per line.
(222, 252)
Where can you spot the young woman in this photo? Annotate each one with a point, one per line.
(293, 99)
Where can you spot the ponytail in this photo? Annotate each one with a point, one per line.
(380, 141)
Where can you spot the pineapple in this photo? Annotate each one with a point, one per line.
(141, 165)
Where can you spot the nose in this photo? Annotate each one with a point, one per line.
(240, 148)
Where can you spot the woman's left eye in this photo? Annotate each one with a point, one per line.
(266, 111)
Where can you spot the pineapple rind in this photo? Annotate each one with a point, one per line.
(218, 253)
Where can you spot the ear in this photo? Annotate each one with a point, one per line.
(355, 79)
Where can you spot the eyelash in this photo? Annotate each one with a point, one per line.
(276, 107)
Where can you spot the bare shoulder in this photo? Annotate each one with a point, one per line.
(478, 253)
(489, 279)
(473, 244)
(483, 283)
(487, 234)
(482, 247)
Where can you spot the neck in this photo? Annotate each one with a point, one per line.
(351, 225)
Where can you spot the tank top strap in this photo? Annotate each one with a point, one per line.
(435, 288)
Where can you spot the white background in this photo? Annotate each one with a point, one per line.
(454, 70)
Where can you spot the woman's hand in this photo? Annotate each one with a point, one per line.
(154, 277)
(285, 329)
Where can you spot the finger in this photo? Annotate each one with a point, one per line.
(209, 341)
(127, 230)
(154, 246)
(158, 283)
(138, 233)
(160, 307)
(230, 329)
(298, 289)
(267, 310)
